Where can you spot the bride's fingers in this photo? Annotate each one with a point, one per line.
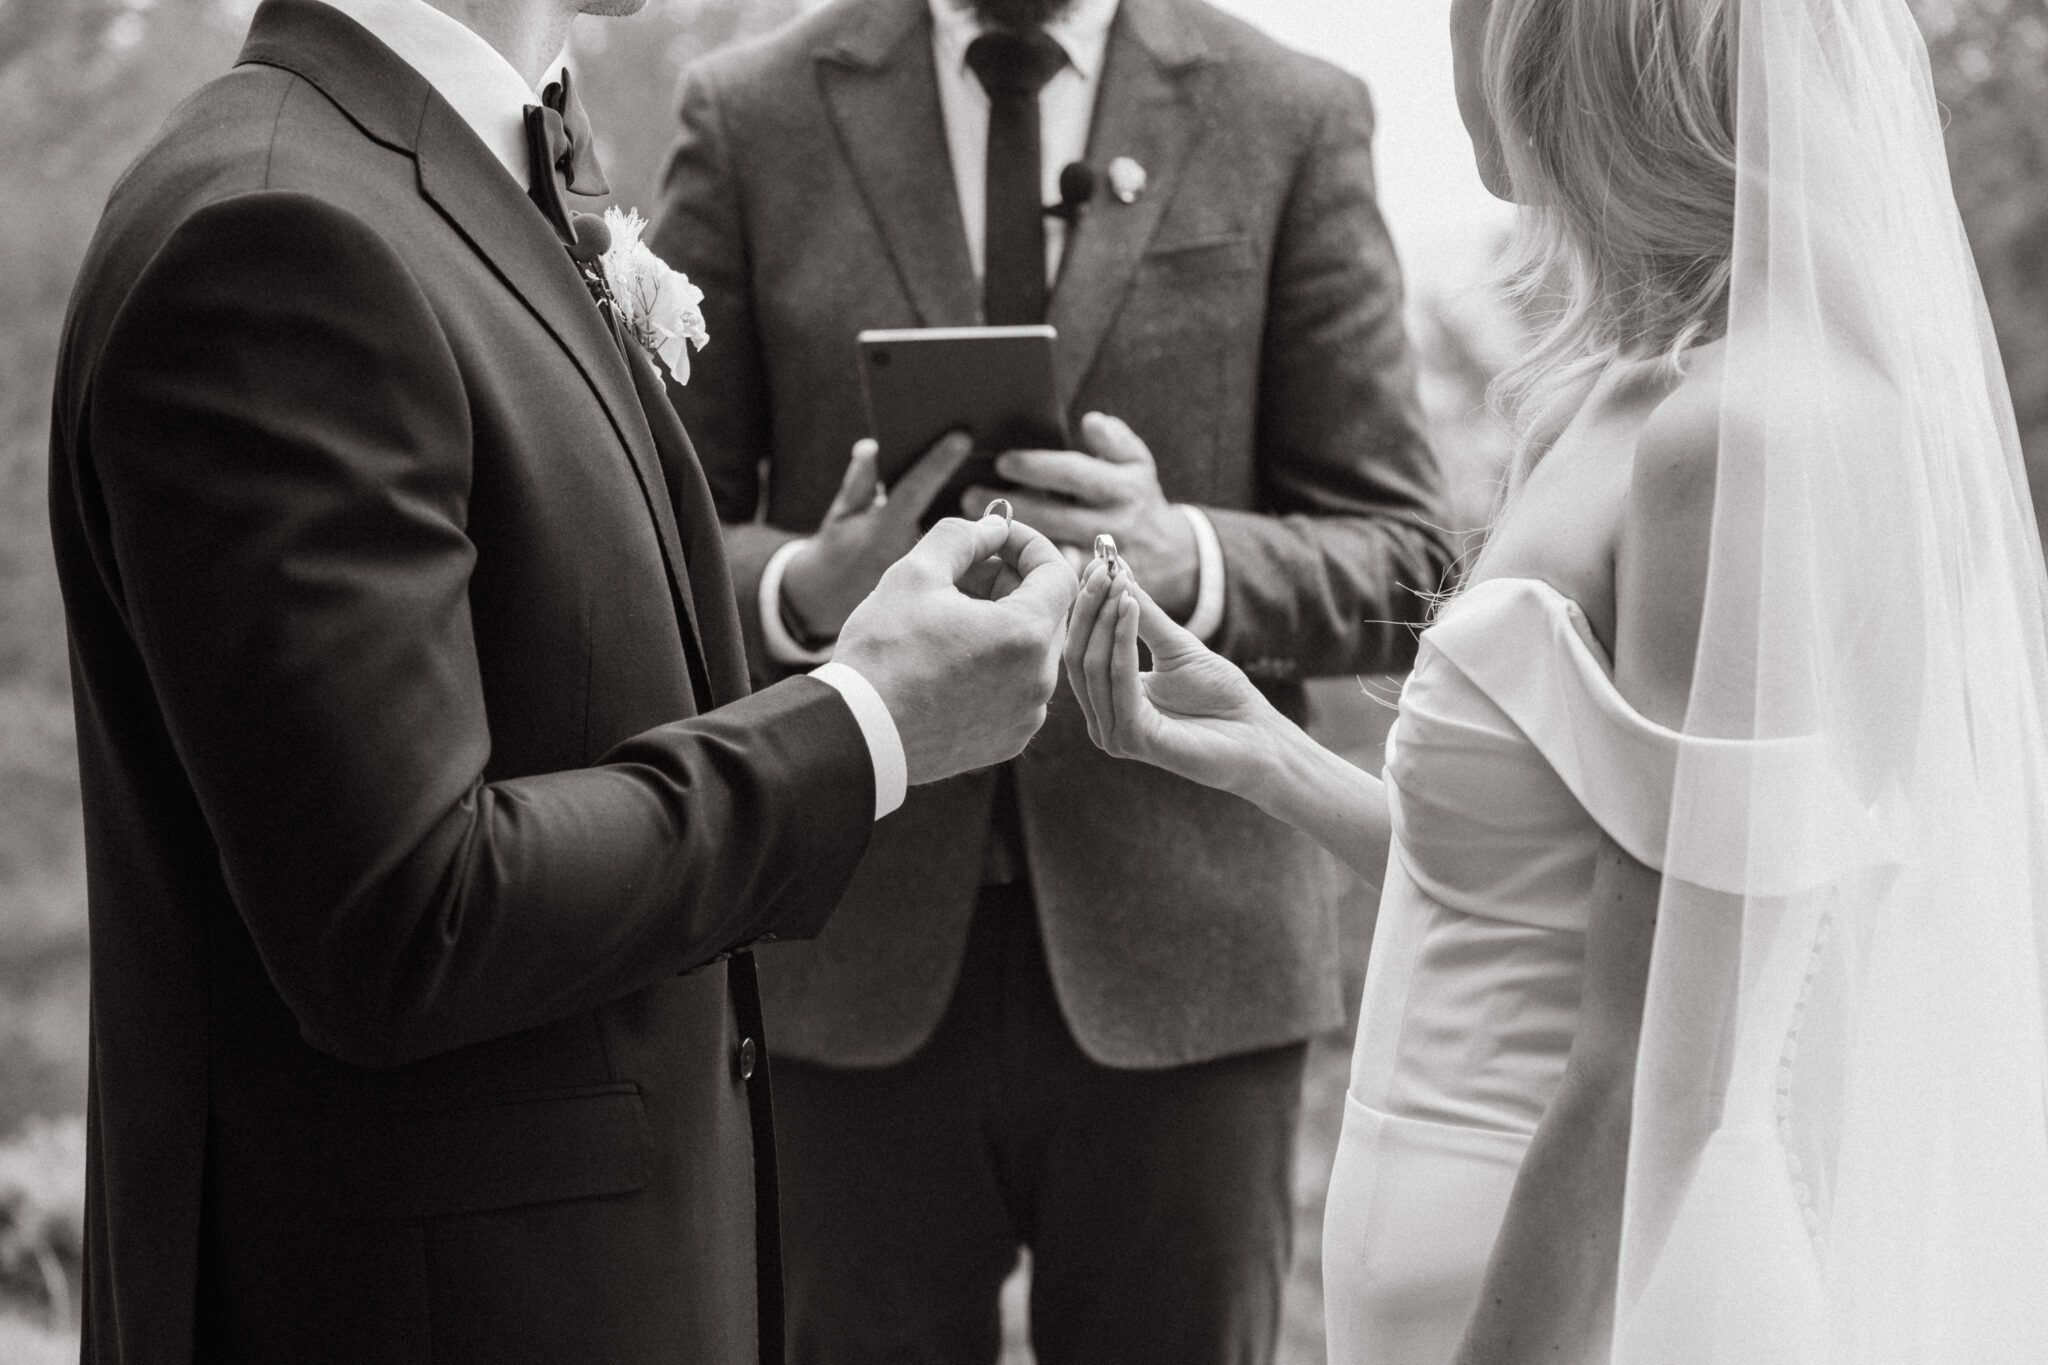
(1126, 690)
(1101, 649)
(1161, 633)
(1087, 606)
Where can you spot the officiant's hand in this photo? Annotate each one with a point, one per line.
(1111, 485)
(962, 639)
(866, 530)
(1194, 713)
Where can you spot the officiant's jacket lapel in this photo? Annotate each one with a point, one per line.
(878, 82)
(1150, 110)
(884, 98)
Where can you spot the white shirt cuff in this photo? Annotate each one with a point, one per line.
(878, 728)
(1207, 617)
(783, 647)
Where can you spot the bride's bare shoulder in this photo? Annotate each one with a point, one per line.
(1683, 458)
(1682, 455)
(1661, 560)
(1678, 452)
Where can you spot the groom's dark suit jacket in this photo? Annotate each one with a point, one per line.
(423, 794)
(1244, 315)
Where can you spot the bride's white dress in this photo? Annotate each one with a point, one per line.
(1512, 752)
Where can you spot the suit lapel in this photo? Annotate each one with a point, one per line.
(1148, 109)
(884, 99)
(394, 104)
(461, 178)
(714, 608)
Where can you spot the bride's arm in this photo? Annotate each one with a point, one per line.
(1197, 715)
(1327, 797)
(1549, 1287)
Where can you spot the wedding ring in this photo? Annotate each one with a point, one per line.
(1105, 550)
(1009, 514)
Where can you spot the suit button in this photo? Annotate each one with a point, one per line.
(749, 1054)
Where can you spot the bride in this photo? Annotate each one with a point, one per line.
(1705, 1015)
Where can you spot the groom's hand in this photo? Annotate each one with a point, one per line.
(962, 638)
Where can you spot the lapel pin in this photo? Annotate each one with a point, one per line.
(1126, 180)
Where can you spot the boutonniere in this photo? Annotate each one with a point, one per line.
(657, 305)
(1126, 180)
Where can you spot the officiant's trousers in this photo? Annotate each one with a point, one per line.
(1156, 1204)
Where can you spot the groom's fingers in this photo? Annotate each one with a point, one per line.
(951, 549)
(982, 577)
(991, 580)
(1026, 548)
(1048, 585)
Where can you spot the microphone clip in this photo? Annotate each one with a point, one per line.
(1077, 186)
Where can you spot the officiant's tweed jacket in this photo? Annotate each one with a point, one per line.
(1244, 315)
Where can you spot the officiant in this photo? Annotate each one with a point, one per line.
(1065, 1004)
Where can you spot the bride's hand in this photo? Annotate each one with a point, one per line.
(1195, 713)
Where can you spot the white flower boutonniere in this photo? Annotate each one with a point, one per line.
(659, 306)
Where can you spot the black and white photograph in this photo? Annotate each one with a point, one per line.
(1024, 682)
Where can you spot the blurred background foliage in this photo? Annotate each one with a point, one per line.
(88, 81)
(1991, 69)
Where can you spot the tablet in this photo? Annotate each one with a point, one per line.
(995, 383)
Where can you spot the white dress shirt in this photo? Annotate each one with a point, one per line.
(1066, 110)
(1066, 107)
(465, 70)
(492, 97)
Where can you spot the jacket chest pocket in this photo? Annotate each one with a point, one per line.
(1219, 256)
(1192, 321)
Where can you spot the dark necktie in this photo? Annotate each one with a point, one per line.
(561, 155)
(1013, 67)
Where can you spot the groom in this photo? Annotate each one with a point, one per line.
(1065, 1004)
(428, 815)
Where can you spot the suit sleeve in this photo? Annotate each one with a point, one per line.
(281, 438)
(700, 229)
(1331, 574)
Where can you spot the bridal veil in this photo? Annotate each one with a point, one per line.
(1840, 1151)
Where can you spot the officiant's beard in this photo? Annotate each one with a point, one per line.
(1019, 13)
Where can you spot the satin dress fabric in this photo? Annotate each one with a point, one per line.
(1512, 753)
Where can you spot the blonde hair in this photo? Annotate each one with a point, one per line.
(1617, 125)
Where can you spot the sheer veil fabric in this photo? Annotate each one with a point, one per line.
(1839, 1150)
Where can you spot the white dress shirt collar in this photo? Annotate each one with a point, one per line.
(474, 77)
(1081, 30)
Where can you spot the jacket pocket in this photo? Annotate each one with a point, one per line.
(530, 1148)
(1205, 258)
